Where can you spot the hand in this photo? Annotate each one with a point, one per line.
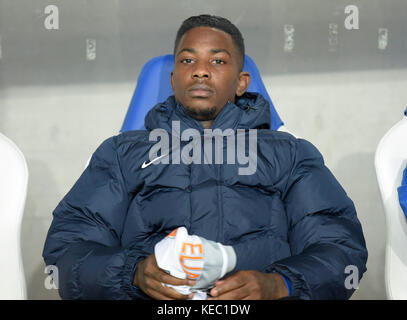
(250, 285)
(148, 277)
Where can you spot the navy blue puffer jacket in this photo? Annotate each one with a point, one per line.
(290, 216)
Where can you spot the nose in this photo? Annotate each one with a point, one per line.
(201, 71)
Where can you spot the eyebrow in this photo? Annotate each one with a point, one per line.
(214, 51)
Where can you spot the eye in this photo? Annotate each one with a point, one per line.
(219, 61)
(186, 61)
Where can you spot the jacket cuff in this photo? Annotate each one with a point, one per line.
(297, 283)
(129, 269)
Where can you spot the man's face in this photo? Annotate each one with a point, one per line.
(206, 72)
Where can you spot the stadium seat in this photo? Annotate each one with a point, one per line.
(390, 160)
(13, 191)
(153, 86)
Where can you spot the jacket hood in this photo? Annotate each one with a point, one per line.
(250, 111)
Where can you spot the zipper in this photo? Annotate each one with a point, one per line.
(220, 204)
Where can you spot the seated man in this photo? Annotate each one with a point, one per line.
(278, 216)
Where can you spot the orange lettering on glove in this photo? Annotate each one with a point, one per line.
(194, 256)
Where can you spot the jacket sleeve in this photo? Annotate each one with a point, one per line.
(84, 237)
(325, 236)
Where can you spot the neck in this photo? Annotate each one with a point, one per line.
(206, 124)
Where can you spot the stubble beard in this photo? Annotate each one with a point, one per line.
(204, 114)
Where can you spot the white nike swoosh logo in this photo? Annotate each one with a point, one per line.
(144, 165)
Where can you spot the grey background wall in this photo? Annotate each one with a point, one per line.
(341, 89)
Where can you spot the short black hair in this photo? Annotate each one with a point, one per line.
(206, 20)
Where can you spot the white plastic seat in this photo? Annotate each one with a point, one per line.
(13, 191)
(390, 161)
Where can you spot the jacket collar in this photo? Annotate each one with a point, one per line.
(250, 111)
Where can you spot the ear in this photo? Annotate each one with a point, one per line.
(243, 83)
(172, 81)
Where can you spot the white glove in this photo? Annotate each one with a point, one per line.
(189, 256)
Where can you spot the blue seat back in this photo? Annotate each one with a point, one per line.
(153, 86)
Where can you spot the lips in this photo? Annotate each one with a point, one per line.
(200, 90)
